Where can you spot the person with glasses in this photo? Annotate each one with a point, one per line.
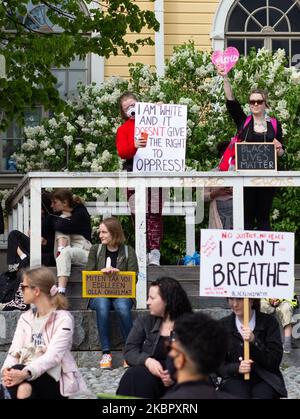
(39, 364)
(145, 349)
(257, 200)
(197, 348)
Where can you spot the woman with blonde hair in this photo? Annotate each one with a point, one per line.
(39, 364)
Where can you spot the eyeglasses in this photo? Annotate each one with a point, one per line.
(256, 102)
(23, 287)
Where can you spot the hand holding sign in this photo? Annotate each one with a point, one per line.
(225, 60)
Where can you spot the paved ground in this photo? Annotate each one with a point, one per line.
(106, 381)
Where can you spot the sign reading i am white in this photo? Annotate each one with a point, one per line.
(247, 264)
(166, 128)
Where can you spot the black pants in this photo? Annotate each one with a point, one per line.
(17, 239)
(253, 389)
(44, 387)
(257, 207)
(139, 382)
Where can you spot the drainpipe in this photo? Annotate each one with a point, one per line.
(160, 38)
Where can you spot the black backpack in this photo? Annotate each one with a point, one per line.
(9, 283)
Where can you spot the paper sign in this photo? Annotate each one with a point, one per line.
(247, 264)
(109, 285)
(227, 59)
(165, 128)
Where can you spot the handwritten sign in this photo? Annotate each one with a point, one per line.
(109, 285)
(226, 59)
(247, 264)
(166, 129)
(255, 156)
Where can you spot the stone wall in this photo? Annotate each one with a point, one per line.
(85, 342)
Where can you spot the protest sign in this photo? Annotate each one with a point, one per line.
(109, 285)
(166, 128)
(255, 156)
(226, 59)
(247, 264)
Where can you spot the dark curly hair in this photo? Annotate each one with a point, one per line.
(175, 297)
(203, 339)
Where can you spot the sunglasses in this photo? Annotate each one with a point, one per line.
(256, 102)
(23, 287)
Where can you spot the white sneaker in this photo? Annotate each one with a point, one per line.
(154, 257)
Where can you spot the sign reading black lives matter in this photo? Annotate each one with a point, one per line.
(247, 264)
(110, 285)
(166, 128)
(255, 156)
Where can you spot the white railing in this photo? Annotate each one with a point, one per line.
(29, 191)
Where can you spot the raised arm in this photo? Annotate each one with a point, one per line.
(227, 86)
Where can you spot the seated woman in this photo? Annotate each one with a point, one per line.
(39, 364)
(18, 254)
(145, 349)
(18, 244)
(72, 234)
(111, 256)
(263, 335)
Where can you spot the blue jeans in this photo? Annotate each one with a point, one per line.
(102, 306)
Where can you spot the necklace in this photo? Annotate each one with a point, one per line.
(260, 126)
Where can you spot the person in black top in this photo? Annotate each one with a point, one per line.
(18, 244)
(145, 349)
(198, 346)
(257, 201)
(263, 335)
(72, 225)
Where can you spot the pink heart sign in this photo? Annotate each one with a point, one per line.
(226, 59)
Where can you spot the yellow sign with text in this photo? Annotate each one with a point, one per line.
(109, 285)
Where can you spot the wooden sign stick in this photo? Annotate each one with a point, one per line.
(246, 343)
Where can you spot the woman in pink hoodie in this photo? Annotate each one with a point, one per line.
(39, 363)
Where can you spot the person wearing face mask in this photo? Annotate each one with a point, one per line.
(197, 348)
(146, 349)
(127, 145)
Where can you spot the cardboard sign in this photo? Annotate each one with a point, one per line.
(247, 264)
(226, 59)
(166, 141)
(109, 285)
(255, 156)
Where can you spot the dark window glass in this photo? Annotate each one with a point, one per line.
(254, 43)
(251, 5)
(237, 20)
(283, 5)
(261, 17)
(295, 53)
(253, 26)
(239, 44)
(274, 16)
(294, 18)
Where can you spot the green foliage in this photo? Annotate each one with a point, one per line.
(86, 129)
(30, 52)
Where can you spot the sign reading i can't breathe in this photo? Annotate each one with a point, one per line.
(255, 156)
(109, 285)
(247, 264)
(166, 128)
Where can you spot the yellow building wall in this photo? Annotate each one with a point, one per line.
(184, 20)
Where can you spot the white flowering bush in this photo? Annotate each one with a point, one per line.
(82, 138)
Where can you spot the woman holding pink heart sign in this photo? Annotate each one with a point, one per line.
(256, 127)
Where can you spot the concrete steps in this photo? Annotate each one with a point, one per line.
(188, 276)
